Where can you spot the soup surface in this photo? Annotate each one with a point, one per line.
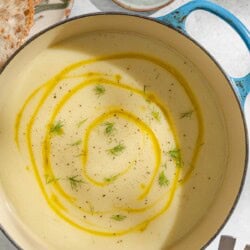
(111, 138)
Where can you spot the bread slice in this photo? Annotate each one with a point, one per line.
(16, 19)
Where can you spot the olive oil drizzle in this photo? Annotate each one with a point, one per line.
(123, 113)
(93, 78)
(143, 127)
(129, 116)
(20, 114)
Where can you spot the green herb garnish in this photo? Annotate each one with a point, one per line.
(75, 182)
(118, 217)
(164, 165)
(79, 124)
(156, 115)
(162, 180)
(76, 143)
(81, 154)
(175, 154)
(110, 179)
(99, 90)
(91, 208)
(57, 128)
(49, 179)
(186, 114)
(109, 127)
(118, 149)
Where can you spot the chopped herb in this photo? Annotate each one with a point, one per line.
(186, 114)
(81, 154)
(164, 165)
(50, 179)
(109, 127)
(75, 182)
(91, 208)
(118, 149)
(118, 217)
(156, 115)
(111, 179)
(76, 143)
(175, 154)
(99, 90)
(79, 124)
(162, 180)
(57, 128)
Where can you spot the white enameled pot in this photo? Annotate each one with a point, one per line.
(230, 97)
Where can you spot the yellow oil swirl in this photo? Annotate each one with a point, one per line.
(130, 117)
(59, 199)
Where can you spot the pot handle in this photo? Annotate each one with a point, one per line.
(177, 19)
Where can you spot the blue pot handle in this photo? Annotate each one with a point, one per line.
(177, 20)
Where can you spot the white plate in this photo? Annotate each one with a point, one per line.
(142, 5)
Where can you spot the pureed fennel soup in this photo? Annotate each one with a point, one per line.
(108, 144)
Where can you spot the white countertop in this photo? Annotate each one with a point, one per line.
(230, 52)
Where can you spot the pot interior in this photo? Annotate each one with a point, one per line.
(117, 130)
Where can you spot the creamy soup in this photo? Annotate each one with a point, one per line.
(111, 141)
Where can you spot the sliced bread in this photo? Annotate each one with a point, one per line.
(16, 19)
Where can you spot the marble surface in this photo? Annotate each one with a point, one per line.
(223, 43)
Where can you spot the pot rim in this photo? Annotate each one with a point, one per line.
(236, 200)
